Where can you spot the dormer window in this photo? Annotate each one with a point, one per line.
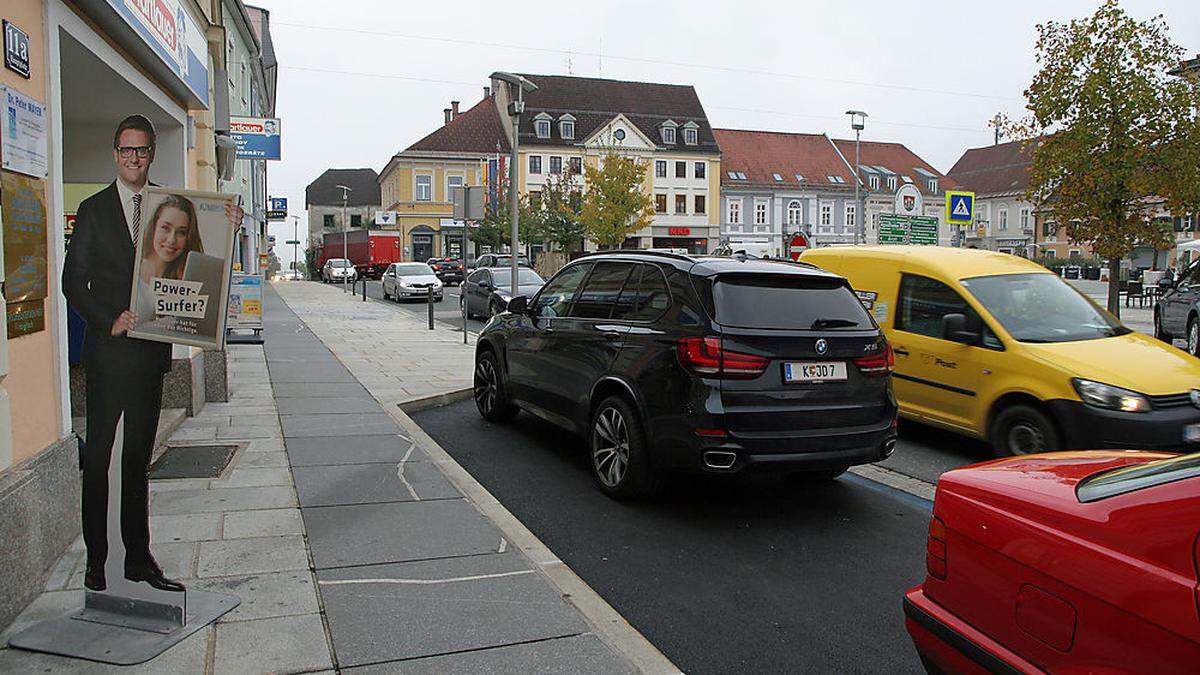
(892, 183)
(691, 133)
(873, 181)
(541, 125)
(668, 132)
(566, 127)
(933, 186)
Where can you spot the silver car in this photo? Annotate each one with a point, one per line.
(338, 270)
(411, 280)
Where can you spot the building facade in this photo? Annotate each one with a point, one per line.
(323, 200)
(572, 122)
(469, 149)
(1004, 220)
(90, 64)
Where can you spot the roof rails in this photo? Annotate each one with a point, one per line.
(642, 251)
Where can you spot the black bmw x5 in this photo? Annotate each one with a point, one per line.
(667, 362)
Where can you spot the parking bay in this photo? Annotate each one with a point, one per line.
(753, 574)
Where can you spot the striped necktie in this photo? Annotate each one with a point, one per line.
(137, 218)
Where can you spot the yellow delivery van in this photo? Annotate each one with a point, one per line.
(998, 347)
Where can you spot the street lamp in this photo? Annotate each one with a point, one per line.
(345, 230)
(515, 108)
(858, 122)
(295, 244)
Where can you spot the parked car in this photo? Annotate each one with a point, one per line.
(998, 347)
(671, 362)
(488, 290)
(448, 270)
(402, 281)
(1177, 312)
(498, 260)
(1063, 562)
(339, 270)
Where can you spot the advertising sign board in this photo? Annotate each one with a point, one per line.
(25, 128)
(174, 37)
(277, 209)
(256, 137)
(245, 302)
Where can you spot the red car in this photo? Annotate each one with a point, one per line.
(1079, 562)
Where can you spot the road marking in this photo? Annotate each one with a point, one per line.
(400, 469)
(503, 545)
(894, 479)
(421, 582)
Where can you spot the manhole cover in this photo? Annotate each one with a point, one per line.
(192, 461)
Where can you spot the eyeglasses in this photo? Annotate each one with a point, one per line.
(127, 151)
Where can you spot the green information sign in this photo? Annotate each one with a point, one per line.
(897, 229)
(923, 230)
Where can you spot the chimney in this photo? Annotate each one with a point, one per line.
(447, 113)
(487, 91)
(453, 109)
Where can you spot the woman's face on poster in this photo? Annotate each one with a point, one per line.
(171, 234)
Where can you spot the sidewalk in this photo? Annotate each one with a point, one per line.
(352, 539)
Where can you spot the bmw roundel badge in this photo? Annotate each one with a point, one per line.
(823, 346)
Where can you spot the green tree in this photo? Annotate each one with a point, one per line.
(1117, 135)
(615, 204)
(556, 215)
(495, 230)
(310, 262)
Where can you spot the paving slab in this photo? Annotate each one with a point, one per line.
(284, 644)
(348, 450)
(189, 527)
(241, 433)
(350, 424)
(254, 477)
(371, 483)
(188, 656)
(326, 372)
(578, 654)
(263, 460)
(176, 502)
(325, 390)
(266, 595)
(402, 611)
(365, 534)
(250, 556)
(305, 406)
(265, 523)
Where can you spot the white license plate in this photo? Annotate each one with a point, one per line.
(814, 371)
(1191, 433)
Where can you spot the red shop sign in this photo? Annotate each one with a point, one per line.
(679, 231)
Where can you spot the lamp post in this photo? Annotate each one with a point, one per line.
(858, 122)
(515, 108)
(345, 230)
(296, 245)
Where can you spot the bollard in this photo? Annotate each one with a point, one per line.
(365, 288)
(430, 289)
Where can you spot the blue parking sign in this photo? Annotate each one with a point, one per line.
(277, 209)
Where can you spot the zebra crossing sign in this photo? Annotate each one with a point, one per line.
(960, 207)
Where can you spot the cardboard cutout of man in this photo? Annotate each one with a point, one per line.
(124, 375)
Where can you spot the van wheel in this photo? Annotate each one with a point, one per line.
(491, 395)
(1023, 430)
(618, 448)
(1159, 332)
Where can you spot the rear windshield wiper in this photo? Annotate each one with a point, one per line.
(832, 323)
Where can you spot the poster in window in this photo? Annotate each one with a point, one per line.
(182, 268)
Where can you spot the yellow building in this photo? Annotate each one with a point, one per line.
(416, 184)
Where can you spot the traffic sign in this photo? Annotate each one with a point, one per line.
(277, 209)
(960, 207)
(923, 230)
(796, 245)
(893, 229)
(897, 229)
(292, 242)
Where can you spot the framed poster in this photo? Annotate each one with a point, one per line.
(245, 302)
(182, 267)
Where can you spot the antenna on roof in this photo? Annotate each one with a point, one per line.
(569, 71)
(600, 59)
(996, 123)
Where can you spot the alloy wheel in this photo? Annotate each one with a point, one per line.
(1194, 337)
(610, 447)
(1025, 438)
(486, 385)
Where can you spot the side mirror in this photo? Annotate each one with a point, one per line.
(954, 328)
(519, 305)
(484, 284)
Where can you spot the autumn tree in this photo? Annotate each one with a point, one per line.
(556, 216)
(615, 204)
(495, 229)
(1117, 139)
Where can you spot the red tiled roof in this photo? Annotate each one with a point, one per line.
(897, 158)
(761, 154)
(995, 169)
(475, 130)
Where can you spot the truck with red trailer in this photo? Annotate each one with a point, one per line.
(370, 251)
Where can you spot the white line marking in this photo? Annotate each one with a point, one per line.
(421, 582)
(400, 470)
(503, 545)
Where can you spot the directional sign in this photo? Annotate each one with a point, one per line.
(923, 230)
(277, 209)
(897, 229)
(893, 229)
(960, 207)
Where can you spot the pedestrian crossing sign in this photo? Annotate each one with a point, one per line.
(960, 207)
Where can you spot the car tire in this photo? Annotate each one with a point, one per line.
(490, 392)
(383, 289)
(1193, 336)
(462, 303)
(618, 452)
(1160, 332)
(1022, 430)
(820, 476)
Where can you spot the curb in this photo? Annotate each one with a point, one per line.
(609, 625)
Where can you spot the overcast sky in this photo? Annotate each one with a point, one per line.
(360, 83)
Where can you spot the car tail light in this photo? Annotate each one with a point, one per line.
(935, 549)
(704, 356)
(877, 365)
(712, 433)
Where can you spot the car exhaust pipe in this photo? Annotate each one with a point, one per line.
(719, 459)
(889, 446)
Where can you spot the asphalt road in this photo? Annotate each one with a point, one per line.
(446, 313)
(749, 574)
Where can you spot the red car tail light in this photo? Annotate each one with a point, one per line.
(877, 365)
(704, 356)
(712, 433)
(935, 549)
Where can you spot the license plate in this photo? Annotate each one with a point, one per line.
(814, 371)
(1191, 433)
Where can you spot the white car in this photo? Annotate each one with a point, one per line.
(411, 280)
(338, 270)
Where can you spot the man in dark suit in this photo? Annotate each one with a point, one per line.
(124, 375)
